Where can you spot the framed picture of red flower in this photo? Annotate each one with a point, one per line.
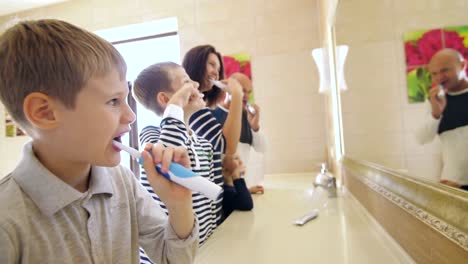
(238, 62)
(420, 46)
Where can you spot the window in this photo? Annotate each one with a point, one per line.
(142, 45)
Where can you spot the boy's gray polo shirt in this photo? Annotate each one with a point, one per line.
(44, 220)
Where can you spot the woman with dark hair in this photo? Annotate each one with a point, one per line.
(203, 63)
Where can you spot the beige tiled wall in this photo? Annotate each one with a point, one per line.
(379, 123)
(278, 34)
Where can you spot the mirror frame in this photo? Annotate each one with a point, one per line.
(443, 208)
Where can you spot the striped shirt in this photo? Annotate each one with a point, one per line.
(204, 148)
(205, 125)
(204, 158)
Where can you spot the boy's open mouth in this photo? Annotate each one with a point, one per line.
(118, 139)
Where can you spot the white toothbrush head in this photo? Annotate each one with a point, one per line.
(133, 152)
(218, 84)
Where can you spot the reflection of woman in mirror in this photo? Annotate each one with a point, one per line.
(449, 115)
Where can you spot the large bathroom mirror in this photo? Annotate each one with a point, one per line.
(383, 106)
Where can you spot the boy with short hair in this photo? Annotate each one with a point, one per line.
(236, 194)
(67, 201)
(167, 90)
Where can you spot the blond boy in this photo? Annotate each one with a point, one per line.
(68, 201)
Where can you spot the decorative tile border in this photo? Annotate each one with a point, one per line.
(452, 233)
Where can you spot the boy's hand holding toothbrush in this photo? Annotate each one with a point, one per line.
(185, 95)
(170, 168)
(177, 198)
(168, 191)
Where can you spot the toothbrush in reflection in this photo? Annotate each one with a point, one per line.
(441, 93)
(179, 174)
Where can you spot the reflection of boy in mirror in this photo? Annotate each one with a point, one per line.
(449, 115)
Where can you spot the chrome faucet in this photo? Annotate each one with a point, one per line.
(326, 180)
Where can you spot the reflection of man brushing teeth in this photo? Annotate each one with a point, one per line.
(448, 104)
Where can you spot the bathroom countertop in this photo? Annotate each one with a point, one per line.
(342, 233)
